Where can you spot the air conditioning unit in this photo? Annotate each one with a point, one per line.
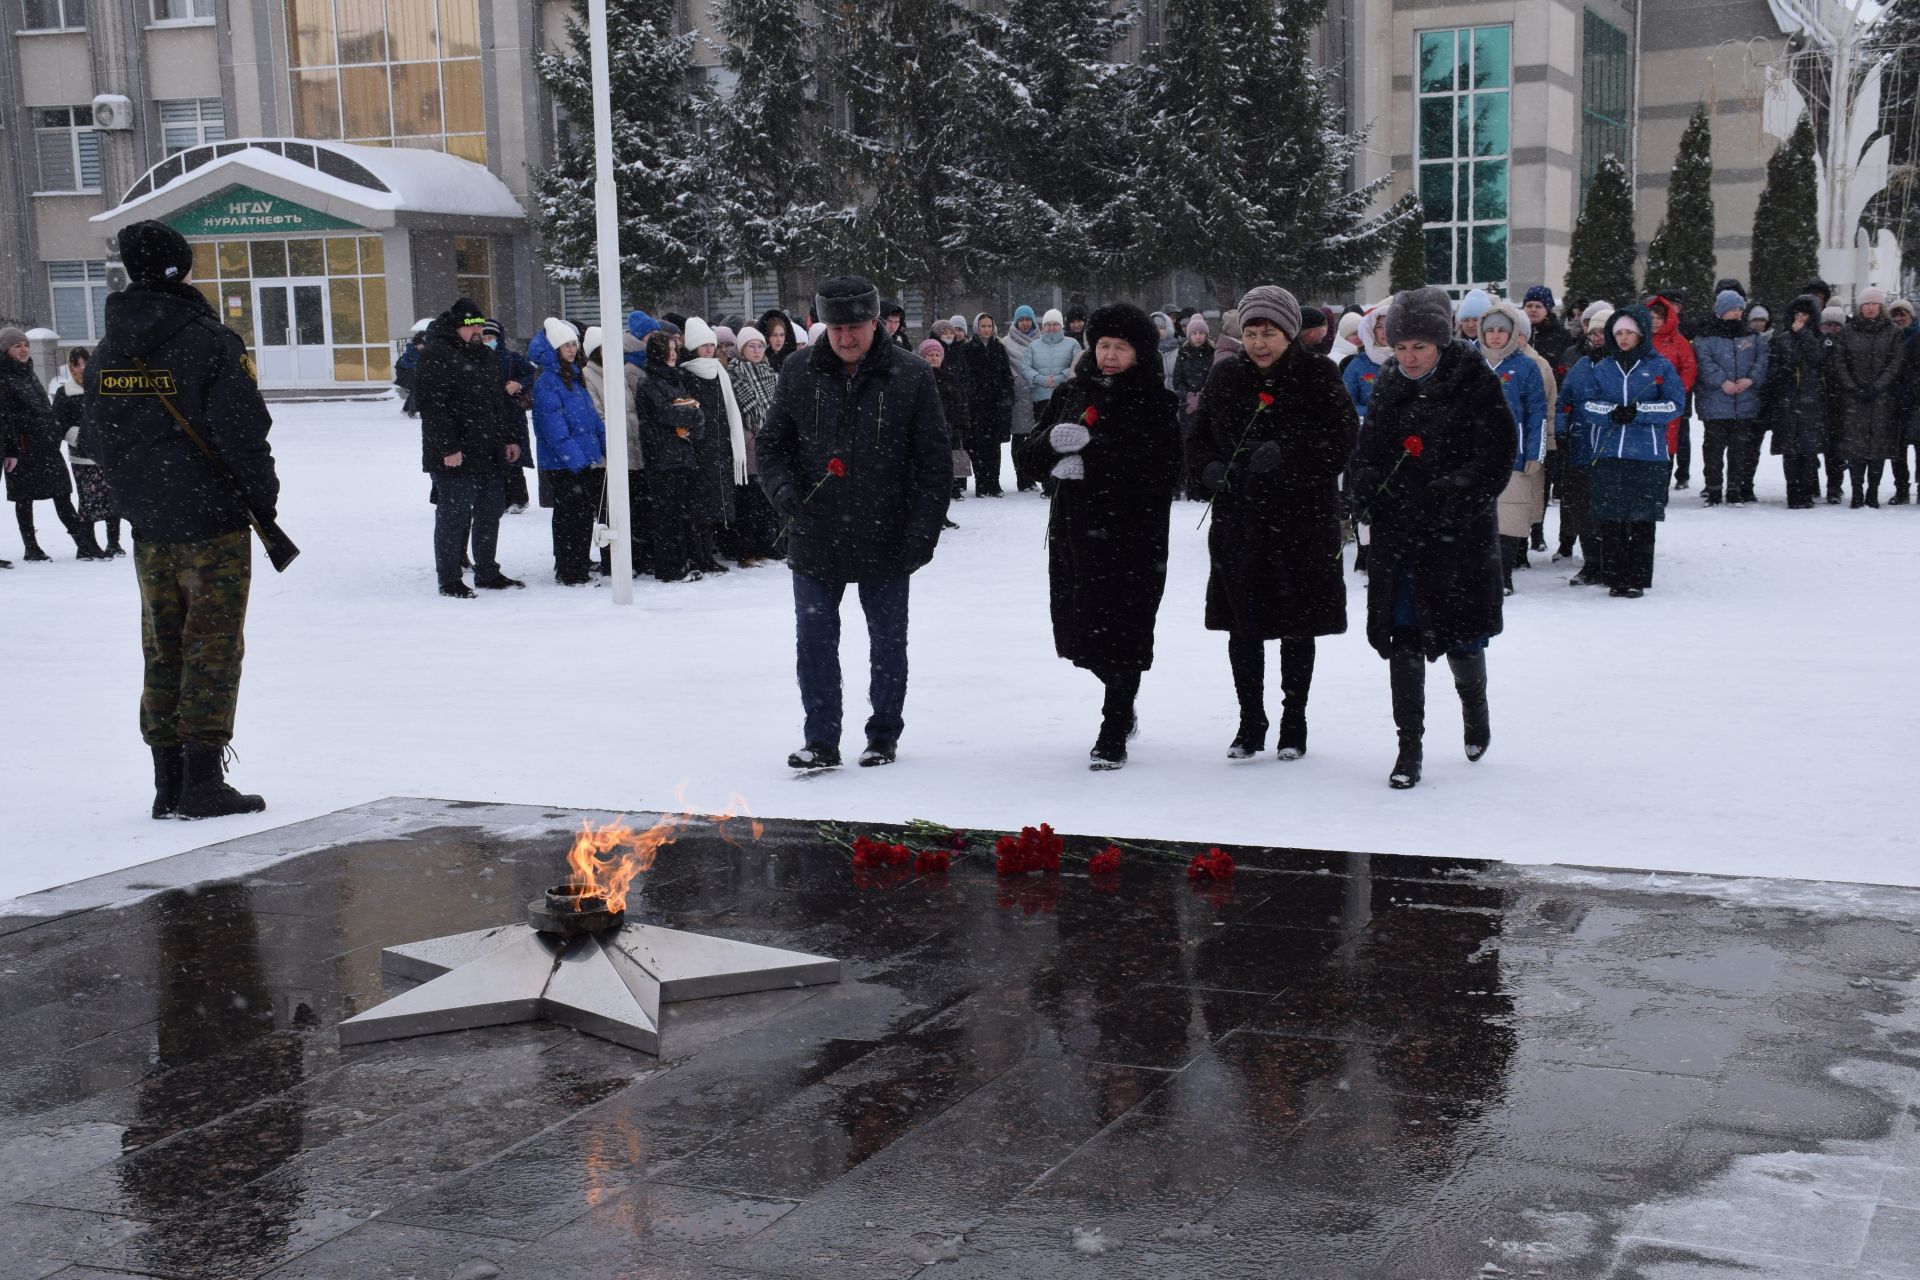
(117, 278)
(112, 111)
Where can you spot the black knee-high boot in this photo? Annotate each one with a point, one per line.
(1512, 552)
(1470, 679)
(1407, 671)
(1248, 656)
(1116, 720)
(1296, 682)
(23, 516)
(113, 538)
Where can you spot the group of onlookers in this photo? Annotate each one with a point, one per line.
(35, 421)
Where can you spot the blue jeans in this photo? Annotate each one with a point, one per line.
(816, 615)
(467, 506)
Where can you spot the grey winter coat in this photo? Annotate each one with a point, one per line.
(1729, 352)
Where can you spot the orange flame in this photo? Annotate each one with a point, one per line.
(608, 859)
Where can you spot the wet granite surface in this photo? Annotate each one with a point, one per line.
(1333, 1066)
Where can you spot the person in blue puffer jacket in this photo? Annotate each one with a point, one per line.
(1048, 360)
(1622, 403)
(1733, 370)
(571, 442)
(1503, 336)
(640, 325)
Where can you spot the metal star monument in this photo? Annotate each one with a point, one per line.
(575, 965)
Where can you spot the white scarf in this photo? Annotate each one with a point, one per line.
(708, 368)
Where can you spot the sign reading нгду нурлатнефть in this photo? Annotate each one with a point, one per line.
(240, 211)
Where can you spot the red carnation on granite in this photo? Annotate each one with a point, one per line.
(1034, 849)
(1211, 865)
(1106, 862)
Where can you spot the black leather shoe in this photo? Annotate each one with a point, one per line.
(878, 753)
(499, 582)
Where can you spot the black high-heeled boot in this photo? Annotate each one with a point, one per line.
(1407, 674)
(1296, 682)
(1470, 680)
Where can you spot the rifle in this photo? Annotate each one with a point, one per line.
(279, 547)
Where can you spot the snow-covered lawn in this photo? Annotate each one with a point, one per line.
(1753, 715)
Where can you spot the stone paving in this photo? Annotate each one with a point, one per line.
(1334, 1065)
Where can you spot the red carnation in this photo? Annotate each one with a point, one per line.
(1034, 849)
(1106, 862)
(836, 468)
(931, 862)
(1211, 865)
(1413, 445)
(1266, 398)
(1091, 416)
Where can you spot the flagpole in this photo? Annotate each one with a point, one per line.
(612, 322)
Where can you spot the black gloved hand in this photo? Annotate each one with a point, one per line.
(788, 502)
(1624, 413)
(1267, 457)
(918, 553)
(1214, 476)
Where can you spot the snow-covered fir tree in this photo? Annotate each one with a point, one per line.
(1600, 260)
(1786, 224)
(1680, 260)
(1408, 267)
(1072, 124)
(769, 181)
(660, 170)
(937, 200)
(1249, 173)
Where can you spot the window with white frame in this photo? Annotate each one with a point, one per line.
(182, 10)
(189, 122)
(69, 148)
(54, 15)
(79, 300)
(1463, 82)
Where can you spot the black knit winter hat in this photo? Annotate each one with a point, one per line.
(1420, 315)
(466, 311)
(847, 300)
(153, 252)
(1129, 323)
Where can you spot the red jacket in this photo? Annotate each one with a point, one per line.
(1673, 344)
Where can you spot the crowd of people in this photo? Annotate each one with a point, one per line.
(1436, 432)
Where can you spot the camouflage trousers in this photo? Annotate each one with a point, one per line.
(193, 617)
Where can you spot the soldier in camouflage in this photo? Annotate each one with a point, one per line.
(192, 551)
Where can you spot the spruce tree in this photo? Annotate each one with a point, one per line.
(1600, 261)
(768, 179)
(665, 228)
(1070, 119)
(1248, 179)
(1680, 260)
(1408, 268)
(938, 202)
(1786, 225)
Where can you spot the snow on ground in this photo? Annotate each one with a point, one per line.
(1752, 716)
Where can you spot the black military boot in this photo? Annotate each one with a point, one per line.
(166, 781)
(204, 792)
(32, 544)
(1407, 672)
(1470, 680)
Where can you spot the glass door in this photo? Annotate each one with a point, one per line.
(291, 339)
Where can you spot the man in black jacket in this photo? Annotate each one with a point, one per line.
(467, 447)
(192, 551)
(854, 455)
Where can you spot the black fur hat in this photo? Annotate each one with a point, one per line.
(1125, 321)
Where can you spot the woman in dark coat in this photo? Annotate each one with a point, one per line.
(722, 470)
(990, 393)
(1867, 367)
(1272, 435)
(1435, 454)
(1114, 451)
(39, 472)
(774, 328)
(69, 410)
(671, 423)
(1797, 400)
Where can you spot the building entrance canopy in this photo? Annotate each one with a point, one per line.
(309, 250)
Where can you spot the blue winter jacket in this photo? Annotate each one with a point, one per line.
(1527, 400)
(1596, 387)
(566, 428)
(1360, 375)
(1048, 356)
(1728, 352)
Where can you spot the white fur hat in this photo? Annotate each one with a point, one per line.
(559, 332)
(698, 334)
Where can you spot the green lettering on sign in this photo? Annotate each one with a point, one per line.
(241, 211)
